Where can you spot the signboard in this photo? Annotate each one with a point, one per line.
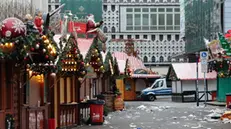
(81, 8)
(204, 61)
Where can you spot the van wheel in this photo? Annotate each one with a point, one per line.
(151, 97)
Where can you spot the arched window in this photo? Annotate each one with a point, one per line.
(105, 29)
(161, 59)
(145, 59)
(169, 59)
(153, 59)
(113, 29)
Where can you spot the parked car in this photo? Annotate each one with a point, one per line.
(158, 88)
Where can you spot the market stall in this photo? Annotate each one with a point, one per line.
(220, 61)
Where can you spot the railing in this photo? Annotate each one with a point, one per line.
(68, 113)
(84, 112)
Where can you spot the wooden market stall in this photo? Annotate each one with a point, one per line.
(219, 61)
(65, 87)
(134, 76)
(27, 58)
(184, 82)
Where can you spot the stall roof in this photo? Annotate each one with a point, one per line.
(135, 64)
(187, 71)
(84, 45)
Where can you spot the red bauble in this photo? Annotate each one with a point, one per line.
(46, 56)
(82, 63)
(32, 49)
(12, 27)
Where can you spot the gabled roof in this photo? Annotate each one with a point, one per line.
(187, 71)
(84, 45)
(134, 63)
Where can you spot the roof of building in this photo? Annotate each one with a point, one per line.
(84, 45)
(135, 64)
(187, 71)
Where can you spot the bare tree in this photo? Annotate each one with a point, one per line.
(12, 8)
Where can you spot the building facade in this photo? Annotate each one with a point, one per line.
(203, 19)
(53, 4)
(154, 26)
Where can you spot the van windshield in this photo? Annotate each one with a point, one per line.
(158, 84)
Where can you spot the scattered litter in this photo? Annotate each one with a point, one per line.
(175, 122)
(227, 115)
(191, 115)
(183, 117)
(106, 122)
(111, 127)
(132, 125)
(142, 107)
(186, 125)
(174, 118)
(196, 127)
(226, 120)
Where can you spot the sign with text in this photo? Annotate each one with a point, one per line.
(204, 61)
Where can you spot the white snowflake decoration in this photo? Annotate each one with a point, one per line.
(8, 33)
(18, 26)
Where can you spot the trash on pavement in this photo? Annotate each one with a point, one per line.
(226, 115)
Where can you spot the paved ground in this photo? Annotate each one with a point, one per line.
(162, 114)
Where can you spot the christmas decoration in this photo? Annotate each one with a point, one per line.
(22, 43)
(94, 57)
(71, 61)
(127, 70)
(38, 21)
(12, 27)
(225, 45)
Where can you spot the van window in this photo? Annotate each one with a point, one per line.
(158, 84)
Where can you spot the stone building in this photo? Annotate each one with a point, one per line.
(154, 26)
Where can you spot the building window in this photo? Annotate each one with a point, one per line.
(151, 19)
(113, 8)
(145, 36)
(137, 22)
(177, 37)
(169, 59)
(145, 22)
(121, 36)
(161, 59)
(113, 29)
(104, 8)
(113, 36)
(169, 37)
(137, 36)
(153, 37)
(56, 6)
(129, 36)
(129, 22)
(49, 8)
(161, 37)
(145, 59)
(161, 22)
(105, 29)
(153, 59)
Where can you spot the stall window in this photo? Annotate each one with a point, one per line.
(128, 86)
